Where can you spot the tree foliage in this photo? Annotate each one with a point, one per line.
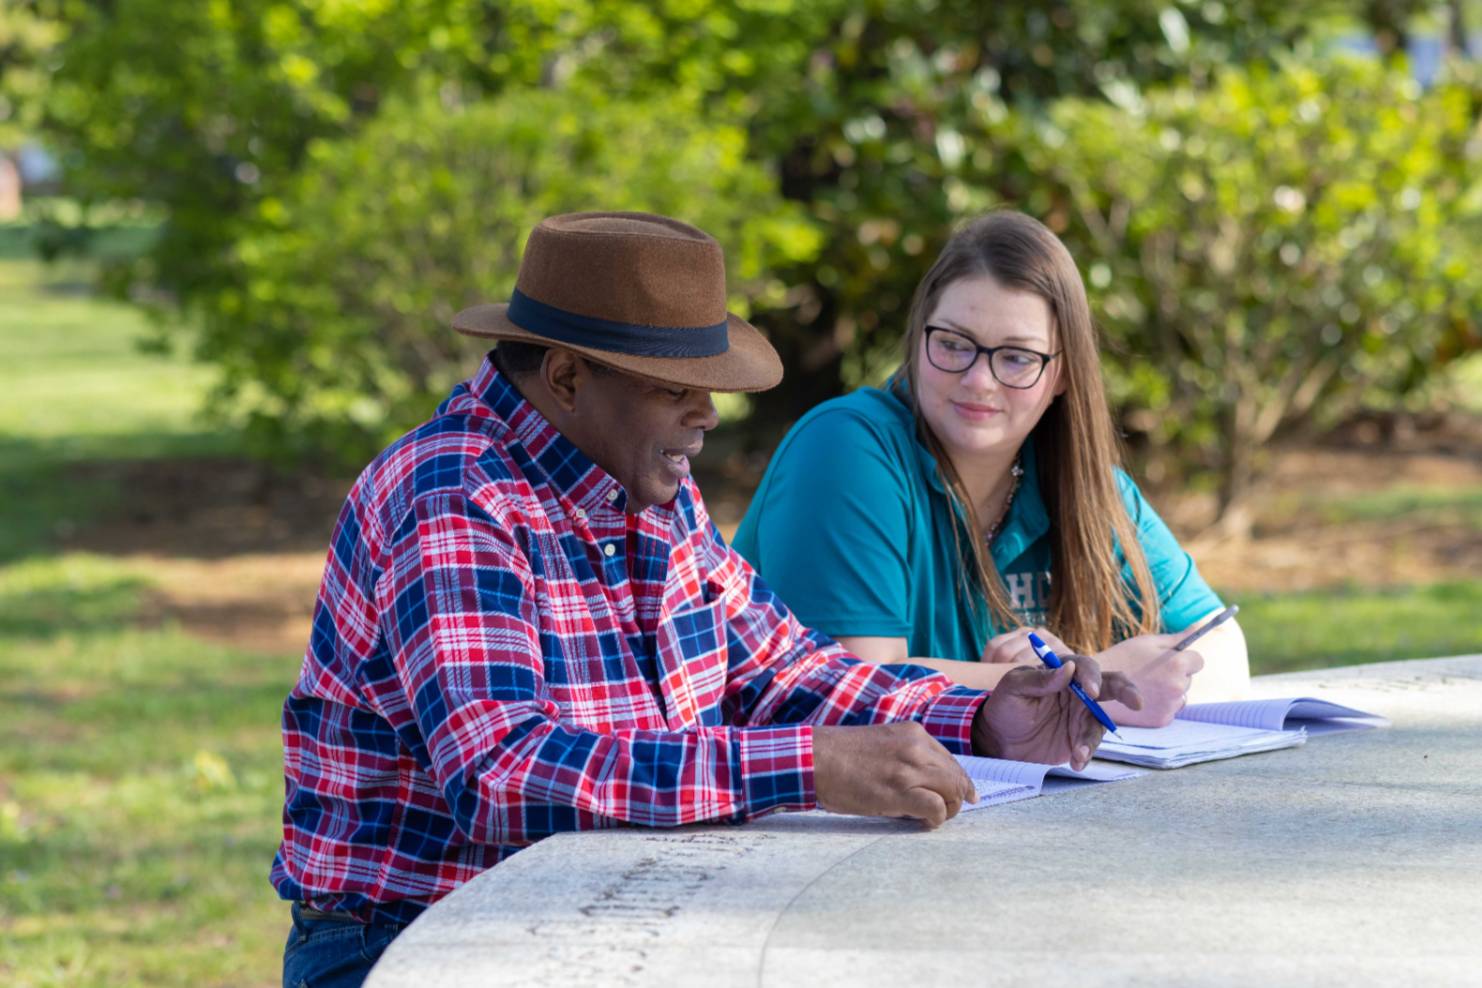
(1265, 250)
(349, 280)
(30, 33)
(831, 144)
(898, 123)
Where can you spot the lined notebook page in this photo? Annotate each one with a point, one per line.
(1273, 715)
(1002, 780)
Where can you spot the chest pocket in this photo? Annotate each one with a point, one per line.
(693, 660)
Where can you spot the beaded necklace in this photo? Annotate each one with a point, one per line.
(1017, 472)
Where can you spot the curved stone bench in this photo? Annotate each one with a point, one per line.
(1355, 859)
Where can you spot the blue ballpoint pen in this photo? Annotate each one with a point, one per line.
(1052, 660)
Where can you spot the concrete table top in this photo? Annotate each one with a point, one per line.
(1356, 858)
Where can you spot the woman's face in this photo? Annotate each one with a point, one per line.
(973, 412)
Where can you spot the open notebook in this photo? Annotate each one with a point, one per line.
(1207, 732)
(1000, 780)
(1289, 714)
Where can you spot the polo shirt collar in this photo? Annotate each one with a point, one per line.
(898, 389)
(572, 474)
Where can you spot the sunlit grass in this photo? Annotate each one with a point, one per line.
(1348, 626)
(140, 787)
(72, 373)
(1411, 505)
(140, 768)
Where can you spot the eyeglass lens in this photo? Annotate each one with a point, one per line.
(955, 353)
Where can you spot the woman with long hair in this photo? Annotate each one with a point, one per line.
(977, 496)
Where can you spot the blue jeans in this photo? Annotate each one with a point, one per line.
(332, 950)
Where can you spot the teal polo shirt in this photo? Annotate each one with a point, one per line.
(852, 527)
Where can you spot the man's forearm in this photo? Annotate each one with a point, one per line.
(976, 675)
(520, 792)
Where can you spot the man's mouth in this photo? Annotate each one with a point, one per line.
(680, 456)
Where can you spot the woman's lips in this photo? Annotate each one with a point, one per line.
(974, 411)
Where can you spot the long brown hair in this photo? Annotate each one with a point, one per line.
(1076, 446)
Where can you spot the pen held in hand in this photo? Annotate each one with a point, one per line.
(1049, 658)
(1207, 627)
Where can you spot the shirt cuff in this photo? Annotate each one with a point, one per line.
(948, 717)
(776, 769)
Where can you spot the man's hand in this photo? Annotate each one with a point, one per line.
(1013, 647)
(1162, 676)
(1034, 717)
(888, 770)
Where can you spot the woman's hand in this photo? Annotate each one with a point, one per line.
(1161, 674)
(1013, 647)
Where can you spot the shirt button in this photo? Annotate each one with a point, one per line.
(581, 515)
(609, 549)
(612, 494)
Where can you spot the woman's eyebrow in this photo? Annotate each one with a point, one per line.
(1016, 338)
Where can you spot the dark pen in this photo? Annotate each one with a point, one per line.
(1052, 660)
(1207, 627)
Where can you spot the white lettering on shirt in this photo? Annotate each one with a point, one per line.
(1029, 595)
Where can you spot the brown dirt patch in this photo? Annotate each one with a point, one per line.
(1295, 547)
(261, 602)
(208, 509)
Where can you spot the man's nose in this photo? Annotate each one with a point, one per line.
(702, 413)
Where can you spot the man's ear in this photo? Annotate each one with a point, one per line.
(561, 372)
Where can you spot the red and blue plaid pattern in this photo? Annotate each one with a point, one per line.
(501, 652)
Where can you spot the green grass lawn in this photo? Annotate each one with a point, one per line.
(75, 388)
(1351, 625)
(140, 783)
(141, 790)
(139, 768)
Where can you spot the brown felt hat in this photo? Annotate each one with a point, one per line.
(642, 293)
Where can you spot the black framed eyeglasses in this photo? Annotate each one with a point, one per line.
(1012, 366)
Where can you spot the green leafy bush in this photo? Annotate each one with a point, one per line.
(339, 337)
(1263, 250)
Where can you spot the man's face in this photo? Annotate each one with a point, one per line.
(641, 432)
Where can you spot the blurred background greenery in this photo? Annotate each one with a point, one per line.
(244, 227)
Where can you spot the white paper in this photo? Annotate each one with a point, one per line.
(1318, 716)
(1002, 780)
(1185, 742)
(1207, 732)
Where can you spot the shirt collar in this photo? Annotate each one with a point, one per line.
(898, 389)
(573, 474)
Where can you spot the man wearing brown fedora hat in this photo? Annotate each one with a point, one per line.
(528, 623)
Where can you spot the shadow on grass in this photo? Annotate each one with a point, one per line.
(105, 242)
(174, 495)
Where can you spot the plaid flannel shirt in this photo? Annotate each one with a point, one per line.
(501, 652)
